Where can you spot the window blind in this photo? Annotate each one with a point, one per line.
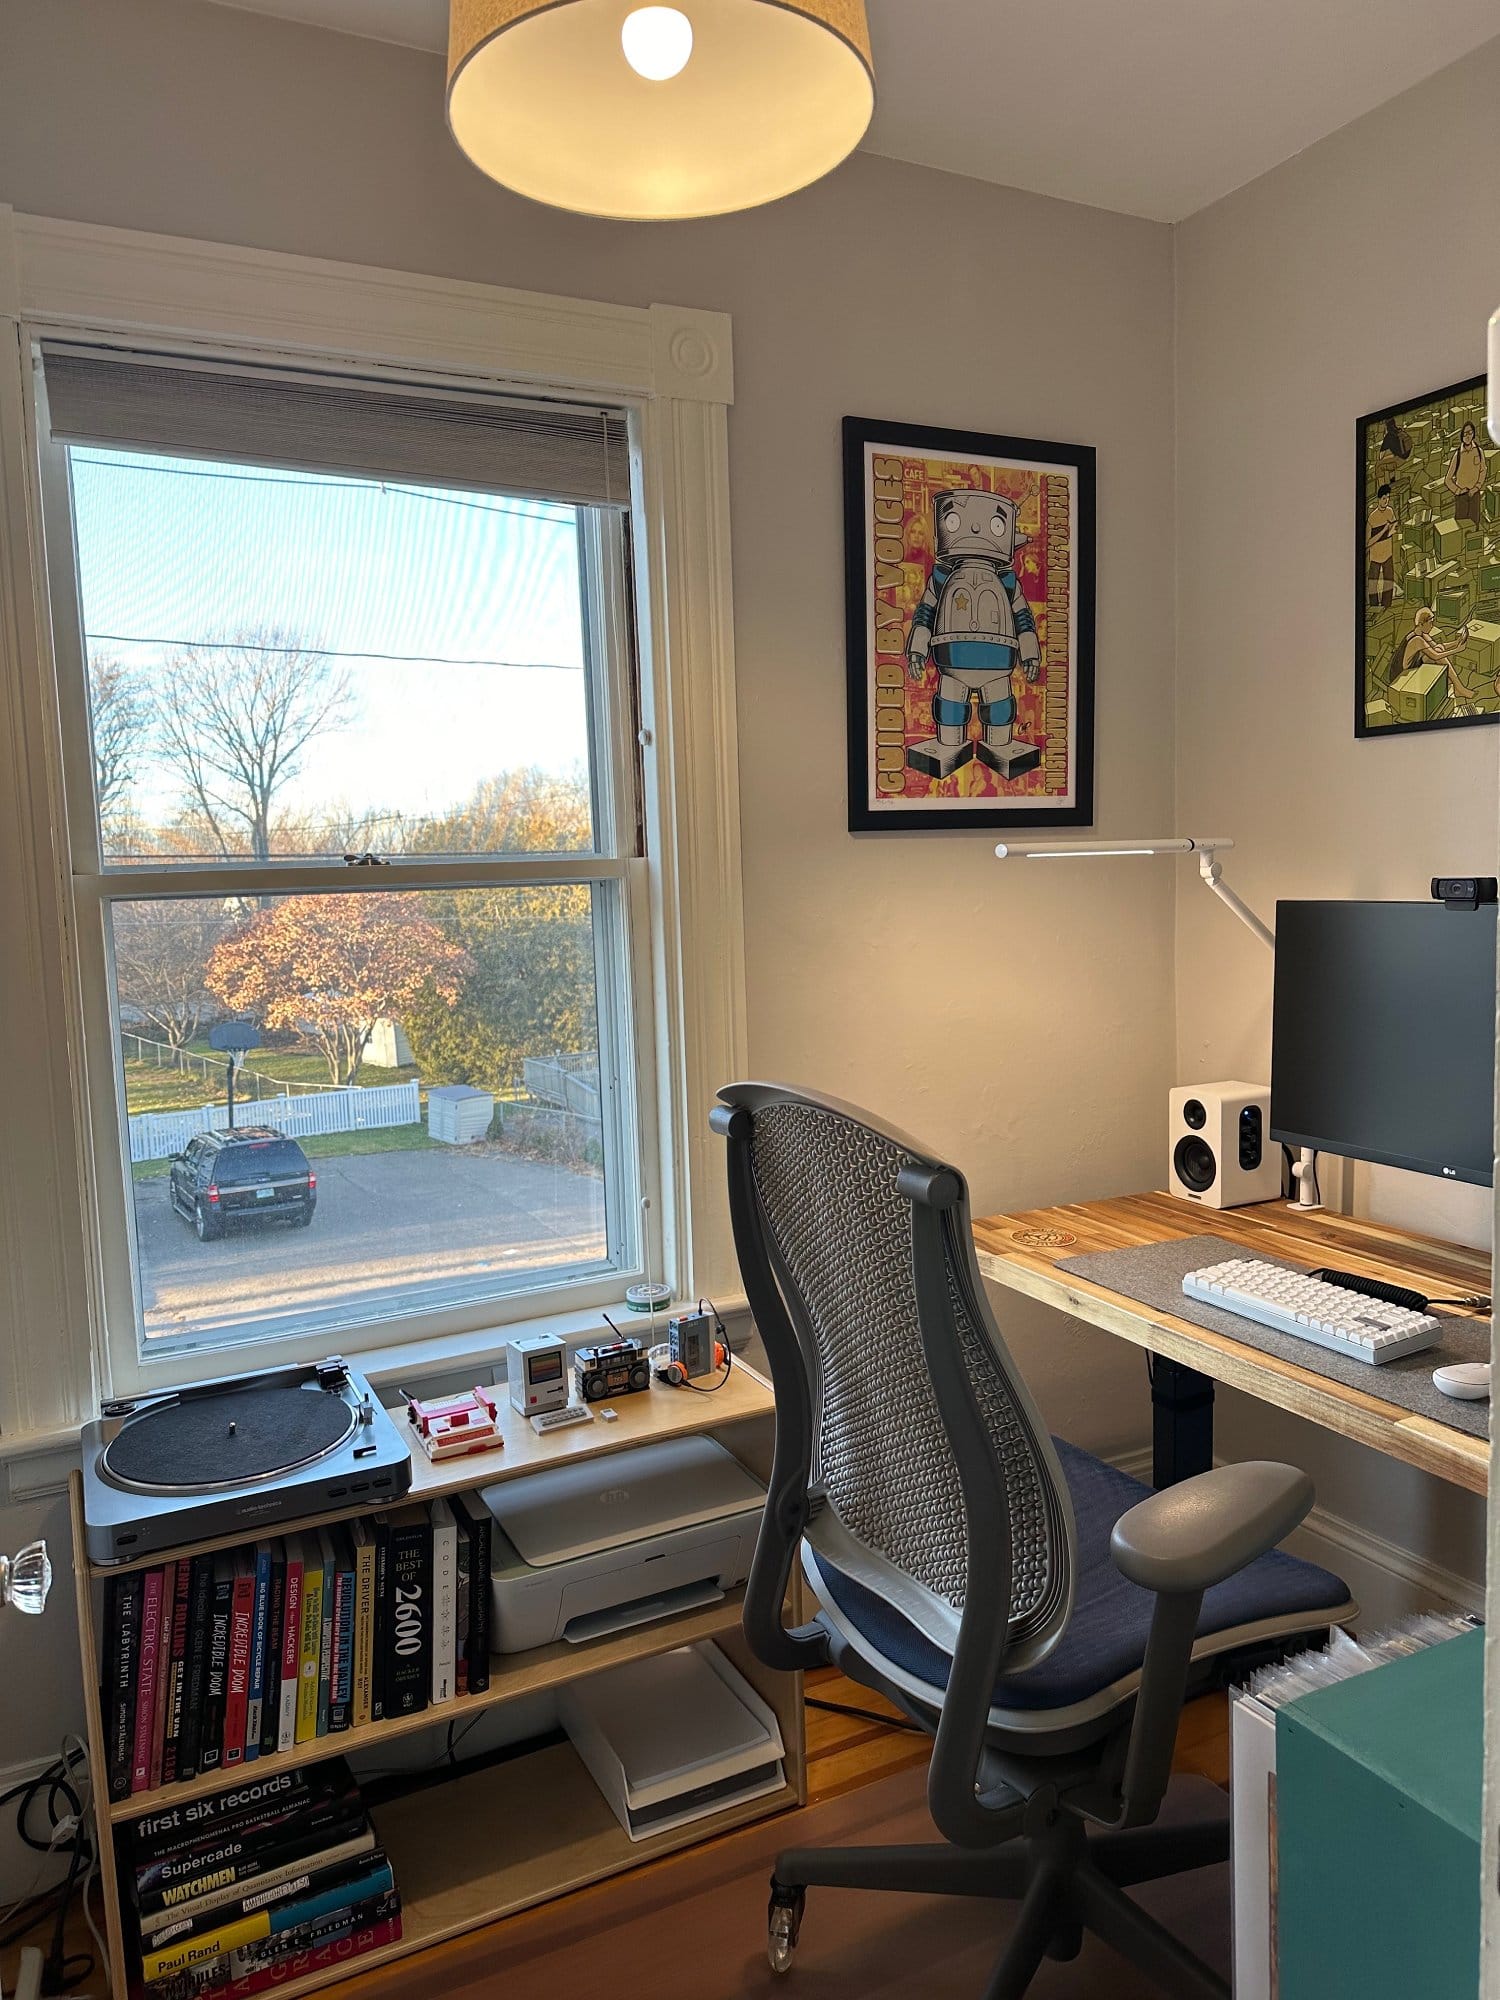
(546, 451)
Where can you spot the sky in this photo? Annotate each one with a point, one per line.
(476, 596)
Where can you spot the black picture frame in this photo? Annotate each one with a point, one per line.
(1416, 544)
(864, 436)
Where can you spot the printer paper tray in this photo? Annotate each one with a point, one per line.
(641, 1611)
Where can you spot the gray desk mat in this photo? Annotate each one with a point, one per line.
(1153, 1274)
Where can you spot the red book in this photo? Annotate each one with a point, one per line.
(145, 1687)
(176, 1678)
(329, 1957)
(241, 1632)
(290, 1639)
(163, 1670)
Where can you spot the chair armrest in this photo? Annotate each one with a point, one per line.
(1193, 1535)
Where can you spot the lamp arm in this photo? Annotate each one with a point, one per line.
(1212, 874)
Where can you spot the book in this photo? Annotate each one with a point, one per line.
(216, 1679)
(341, 1668)
(461, 1601)
(473, 1514)
(241, 1633)
(291, 1644)
(200, 1596)
(444, 1600)
(163, 1672)
(211, 1943)
(254, 1805)
(122, 1631)
(325, 1943)
(239, 1885)
(380, 1530)
(408, 1639)
(311, 1639)
(363, 1539)
(270, 1701)
(145, 1685)
(329, 1558)
(176, 1703)
(259, 1625)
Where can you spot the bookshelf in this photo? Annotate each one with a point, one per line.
(478, 1846)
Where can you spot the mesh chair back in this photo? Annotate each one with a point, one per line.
(888, 1503)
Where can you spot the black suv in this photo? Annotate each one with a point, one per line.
(247, 1175)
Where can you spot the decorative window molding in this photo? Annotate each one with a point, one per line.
(674, 366)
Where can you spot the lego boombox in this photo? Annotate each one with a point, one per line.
(614, 1368)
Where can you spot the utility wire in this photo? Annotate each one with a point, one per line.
(331, 653)
(352, 483)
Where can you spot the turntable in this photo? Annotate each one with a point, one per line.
(245, 1452)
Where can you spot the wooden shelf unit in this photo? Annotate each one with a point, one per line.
(474, 1848)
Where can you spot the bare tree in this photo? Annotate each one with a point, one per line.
(162, 953)
(235, 719)
(120, 717)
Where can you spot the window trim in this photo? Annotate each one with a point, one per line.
(671, 366)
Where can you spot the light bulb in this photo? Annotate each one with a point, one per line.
(657, 42)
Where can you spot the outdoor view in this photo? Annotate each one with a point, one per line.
(287, 666)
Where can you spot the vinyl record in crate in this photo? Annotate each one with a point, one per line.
(250, 1450)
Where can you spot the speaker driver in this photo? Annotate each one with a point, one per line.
(1194, 1161)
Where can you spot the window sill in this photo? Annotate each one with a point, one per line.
(37, 1463)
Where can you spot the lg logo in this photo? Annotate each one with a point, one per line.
(612, 1496)
(1450, 1173)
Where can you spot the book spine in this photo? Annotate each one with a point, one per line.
(325, 1639)
(270, 1706)
(409, 1637)
(320, 1948)
(171, 1756)
(184, 1953)
(215, 1895)
(171, 1833)
(269, 1960)
(310, 1641)
(163, 1671)
(481, 1531)
(237, 1696)
(121, 1654)
(145, 1690)
(195, 1678)
(341, 1671)
(444, 1580)
(364, 1630)
(291, 1648)
(462, 1599)
(216, 1681)
(382, 1618)
(259, 1621)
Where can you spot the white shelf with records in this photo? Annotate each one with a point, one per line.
(545, 1827)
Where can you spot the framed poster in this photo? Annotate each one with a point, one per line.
(969, 565)
(1426, 565)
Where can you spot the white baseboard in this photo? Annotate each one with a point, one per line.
(1388, 1580)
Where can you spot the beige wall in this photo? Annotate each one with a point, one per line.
(1020, 1022)
(1355, 276)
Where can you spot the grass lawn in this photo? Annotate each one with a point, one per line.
(329, 1146)
(148, 1088)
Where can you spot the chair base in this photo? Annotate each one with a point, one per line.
(1066, 1880)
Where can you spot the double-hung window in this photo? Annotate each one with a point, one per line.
(349, 744)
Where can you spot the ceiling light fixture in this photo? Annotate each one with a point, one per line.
(655, 113)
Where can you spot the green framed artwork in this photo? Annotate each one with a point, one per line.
(1427, 565)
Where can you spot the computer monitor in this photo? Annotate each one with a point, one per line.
(1383, 1035)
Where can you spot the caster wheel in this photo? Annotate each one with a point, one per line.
(783, 1922)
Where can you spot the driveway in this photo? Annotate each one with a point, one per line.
(393, 1232)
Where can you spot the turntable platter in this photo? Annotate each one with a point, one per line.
(199, 1444)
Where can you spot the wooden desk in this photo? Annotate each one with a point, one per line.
(1023, 1252)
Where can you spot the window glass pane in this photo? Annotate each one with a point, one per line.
(287, 664)
(421, 1124)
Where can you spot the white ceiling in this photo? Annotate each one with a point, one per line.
(1151, 107)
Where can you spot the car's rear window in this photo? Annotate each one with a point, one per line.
(260, 1157)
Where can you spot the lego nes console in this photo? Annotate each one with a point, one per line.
(606, 1543)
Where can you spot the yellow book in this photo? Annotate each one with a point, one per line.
(191, 1951)
(310, 1644)
(364, 1619)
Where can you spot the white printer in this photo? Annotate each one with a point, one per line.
(600, 1544)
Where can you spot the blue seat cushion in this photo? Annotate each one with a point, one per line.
(1105, 1639)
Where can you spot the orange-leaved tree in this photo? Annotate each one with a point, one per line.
(330, 967)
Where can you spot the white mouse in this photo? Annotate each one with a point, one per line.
(1469, 1381)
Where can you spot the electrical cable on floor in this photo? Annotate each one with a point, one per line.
(864, 1714)
(68, 1807)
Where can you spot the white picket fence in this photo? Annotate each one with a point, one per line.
(156, 1135)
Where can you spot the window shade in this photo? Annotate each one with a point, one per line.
(548, 451)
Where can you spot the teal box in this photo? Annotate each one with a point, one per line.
(1377, 1808)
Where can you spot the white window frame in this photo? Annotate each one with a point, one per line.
(671, 368)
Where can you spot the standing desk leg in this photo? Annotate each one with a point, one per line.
(1182, 1421)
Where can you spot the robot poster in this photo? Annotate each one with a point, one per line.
(1426, 565)
(970, 581)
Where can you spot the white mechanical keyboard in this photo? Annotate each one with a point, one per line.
(1312, 1309)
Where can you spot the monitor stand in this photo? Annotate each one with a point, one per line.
(1305, 1174)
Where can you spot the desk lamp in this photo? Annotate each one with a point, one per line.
(1304, 1171)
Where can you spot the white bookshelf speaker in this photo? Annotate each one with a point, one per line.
(1219, 1147)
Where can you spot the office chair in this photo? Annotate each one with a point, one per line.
(1040, 1613)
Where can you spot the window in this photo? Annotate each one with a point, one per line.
(349, 740)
